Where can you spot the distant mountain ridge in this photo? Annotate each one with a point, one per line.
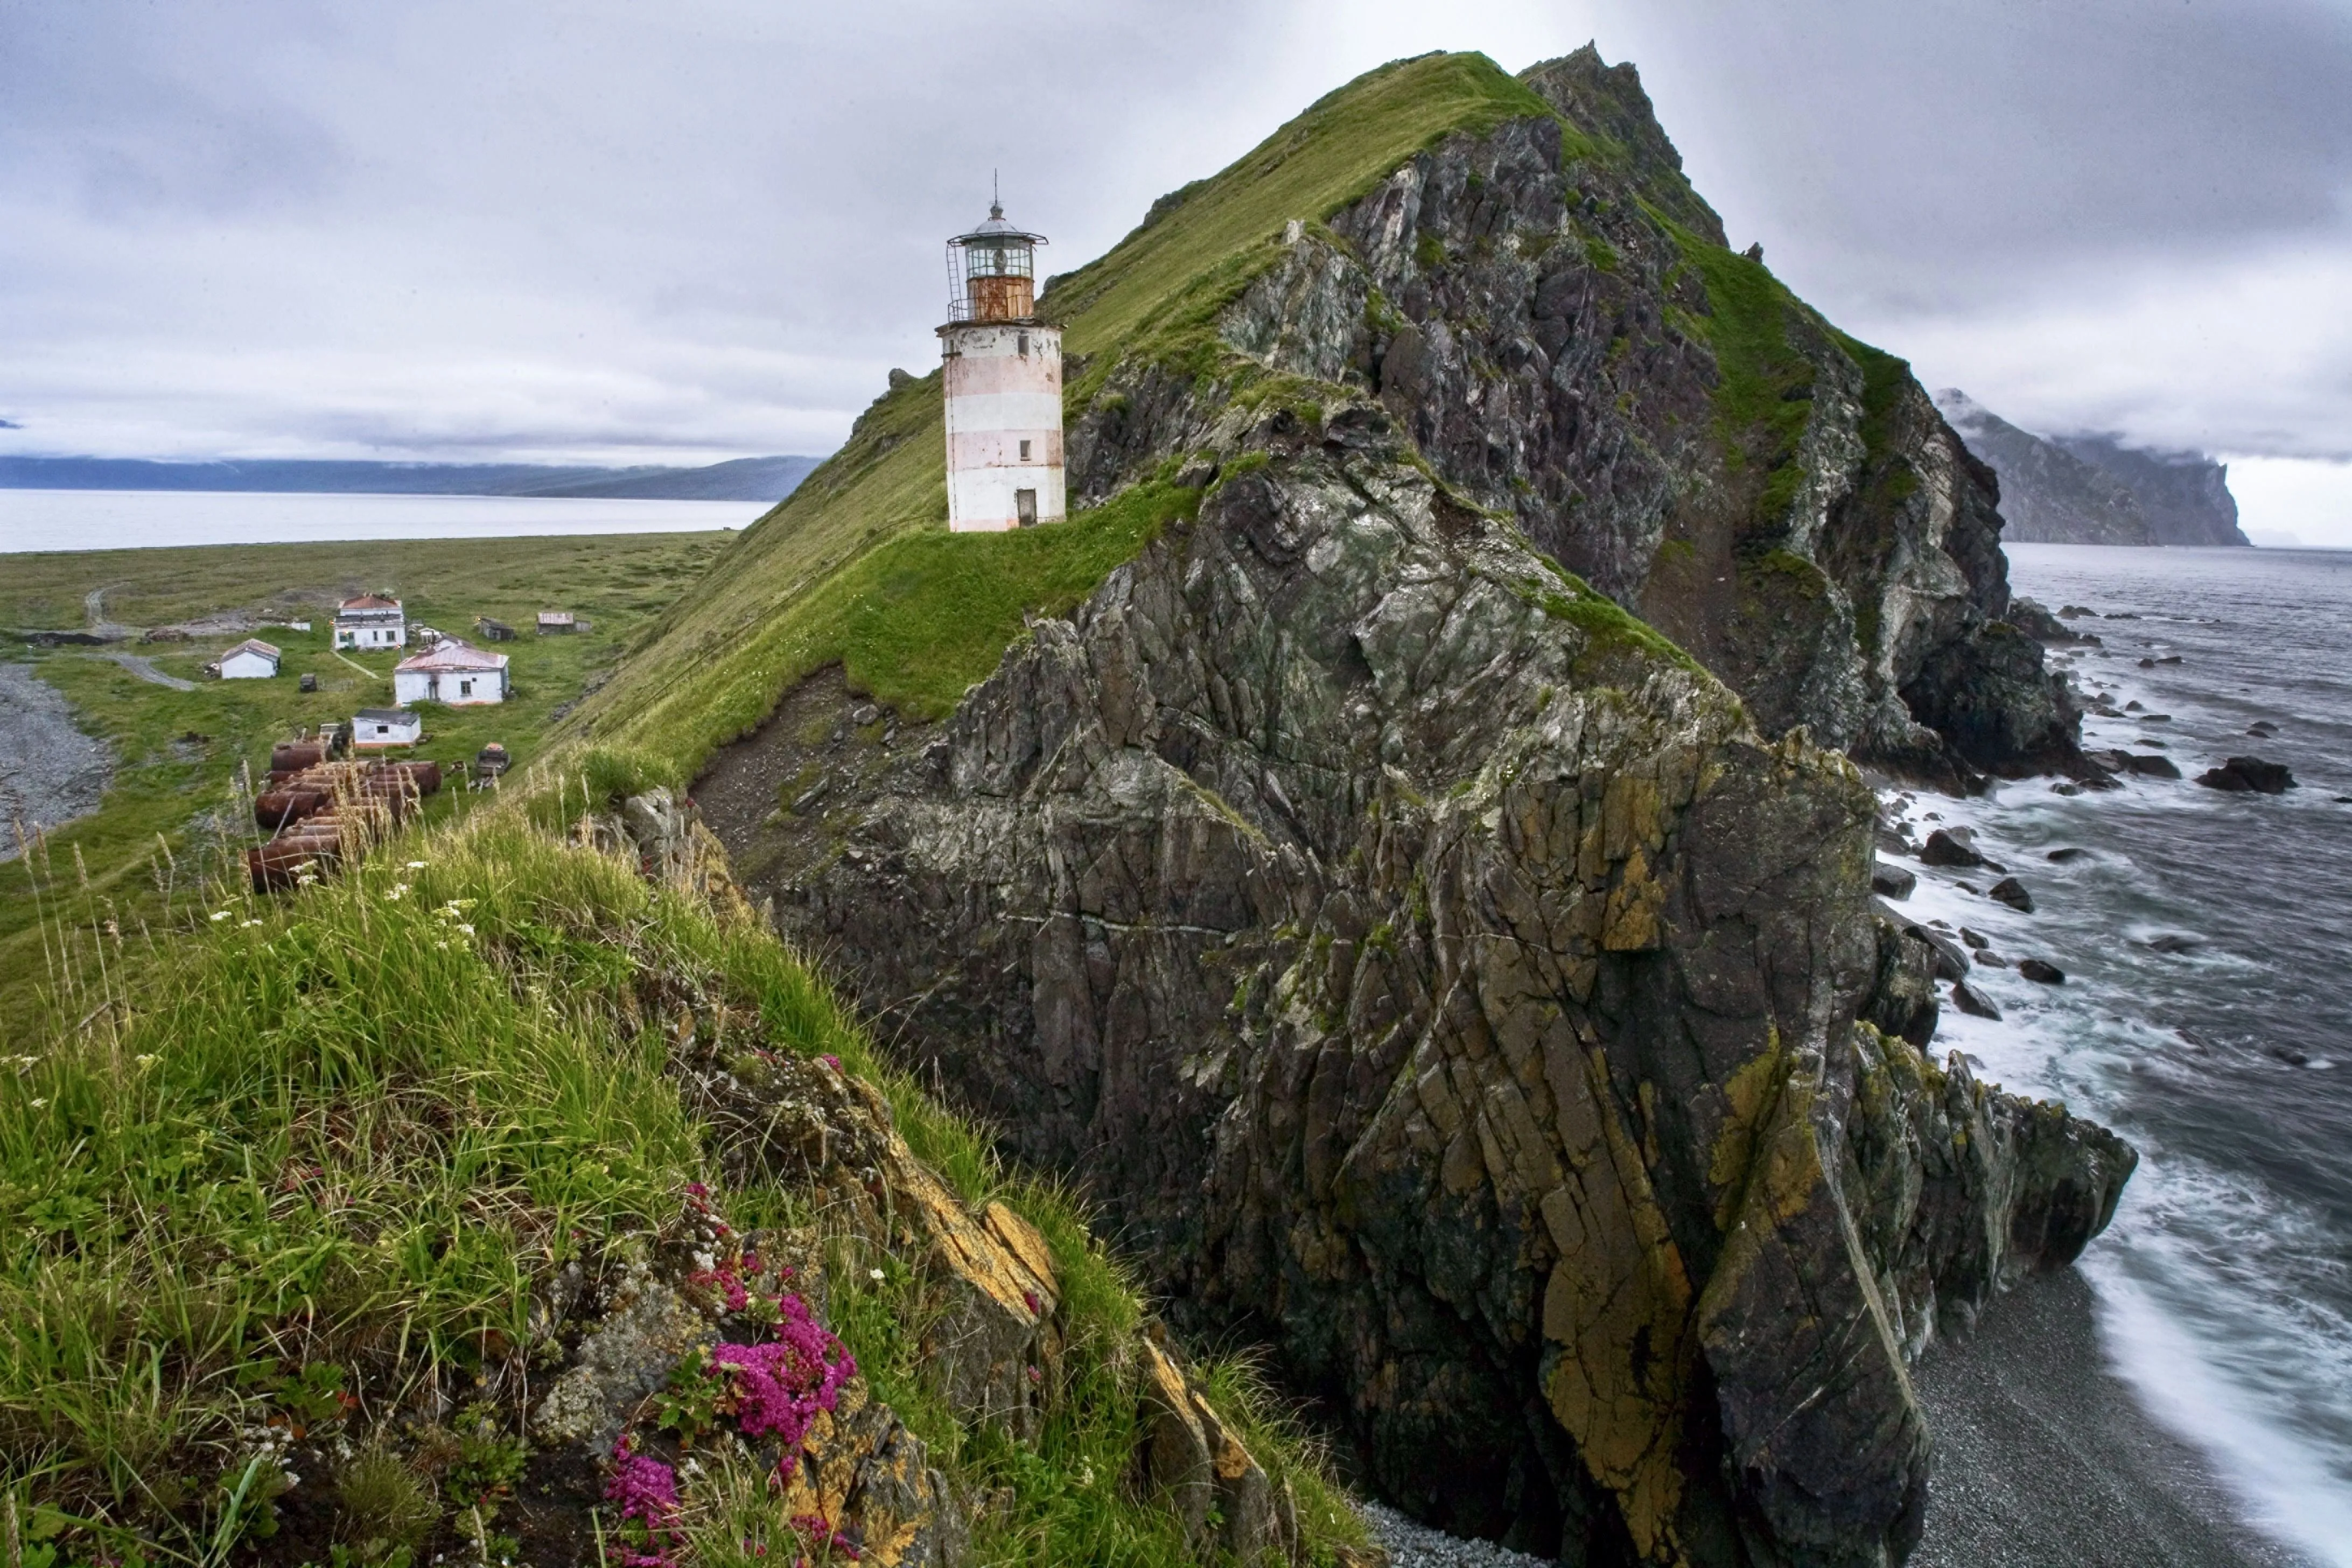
(2093, 490)
(743, 478)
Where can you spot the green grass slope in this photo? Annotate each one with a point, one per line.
(322, 1155)
(859, 557)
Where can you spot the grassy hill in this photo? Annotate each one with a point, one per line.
(857, 566)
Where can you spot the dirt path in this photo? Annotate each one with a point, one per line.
(50, 773)
(146, 670)
(93, 612)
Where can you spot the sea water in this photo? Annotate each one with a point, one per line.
(2225, 1285)
(126, 520)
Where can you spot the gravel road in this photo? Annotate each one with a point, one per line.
(50, 773)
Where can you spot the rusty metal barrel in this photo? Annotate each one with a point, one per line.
(294, 756)
(277, 809)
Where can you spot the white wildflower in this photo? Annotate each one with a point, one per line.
(39, 1104)
(147, 1061)
(397, 889)
(877, 1273)
(220, 914)
(417, 865)
(243, 923)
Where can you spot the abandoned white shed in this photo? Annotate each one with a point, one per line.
(382, 729)
(453, 672)
(251, 659)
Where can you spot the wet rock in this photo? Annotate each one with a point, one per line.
(1976, 940)
(1992, 960)
(2261, 728)
(1892, 881)
(2077, 612)
(2147, 766)
(1952, 847)
(2171, 943)
(1903, 1002)
(2067, 855)
(2042, 971)
(1951, 958)
(2242, 775)
(1973, 1002)
(2011, 891)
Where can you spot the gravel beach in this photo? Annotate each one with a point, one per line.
(50, 773)
(2044, 1456)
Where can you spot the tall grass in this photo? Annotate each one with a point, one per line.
(319, 1164)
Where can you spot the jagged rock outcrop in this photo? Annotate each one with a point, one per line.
(1548, 312)
(1433, 970)
(2093, 490)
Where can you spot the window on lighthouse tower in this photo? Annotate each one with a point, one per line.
(1024, 451)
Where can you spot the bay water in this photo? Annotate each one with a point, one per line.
(2205, 1015)
(127, 520)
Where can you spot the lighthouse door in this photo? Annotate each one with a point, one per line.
(1024, 505)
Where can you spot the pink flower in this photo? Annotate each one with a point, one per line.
(647, 1490)
(781, 1386)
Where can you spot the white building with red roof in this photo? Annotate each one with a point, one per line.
(452, 672)
(370, 621)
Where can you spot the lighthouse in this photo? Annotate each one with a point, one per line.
(1004, 382)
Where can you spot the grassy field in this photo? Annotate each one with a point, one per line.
(176, 751)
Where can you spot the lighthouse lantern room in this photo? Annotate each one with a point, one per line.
(1003, 384)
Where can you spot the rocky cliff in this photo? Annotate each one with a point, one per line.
(2186, 495)
(2093, 490)
(1435, 976)
(1549, 313)
(2048, 495)
(1437, 973)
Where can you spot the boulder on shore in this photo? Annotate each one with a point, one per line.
(2042, 971)
(2243, 774)
(1952, 846)
(2011, 892)
(1892, 881)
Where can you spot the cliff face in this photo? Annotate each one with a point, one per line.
(1436, 977)
(2186, 495)
(1436, 974)
(2093, 490)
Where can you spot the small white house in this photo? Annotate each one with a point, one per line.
(370, 621)
(385, 729)
(451, 671)
(251, 659)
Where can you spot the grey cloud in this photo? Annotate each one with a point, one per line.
(444, 227)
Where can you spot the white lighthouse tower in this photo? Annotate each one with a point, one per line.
(1003, 383)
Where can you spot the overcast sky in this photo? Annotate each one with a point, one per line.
(706, 229)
